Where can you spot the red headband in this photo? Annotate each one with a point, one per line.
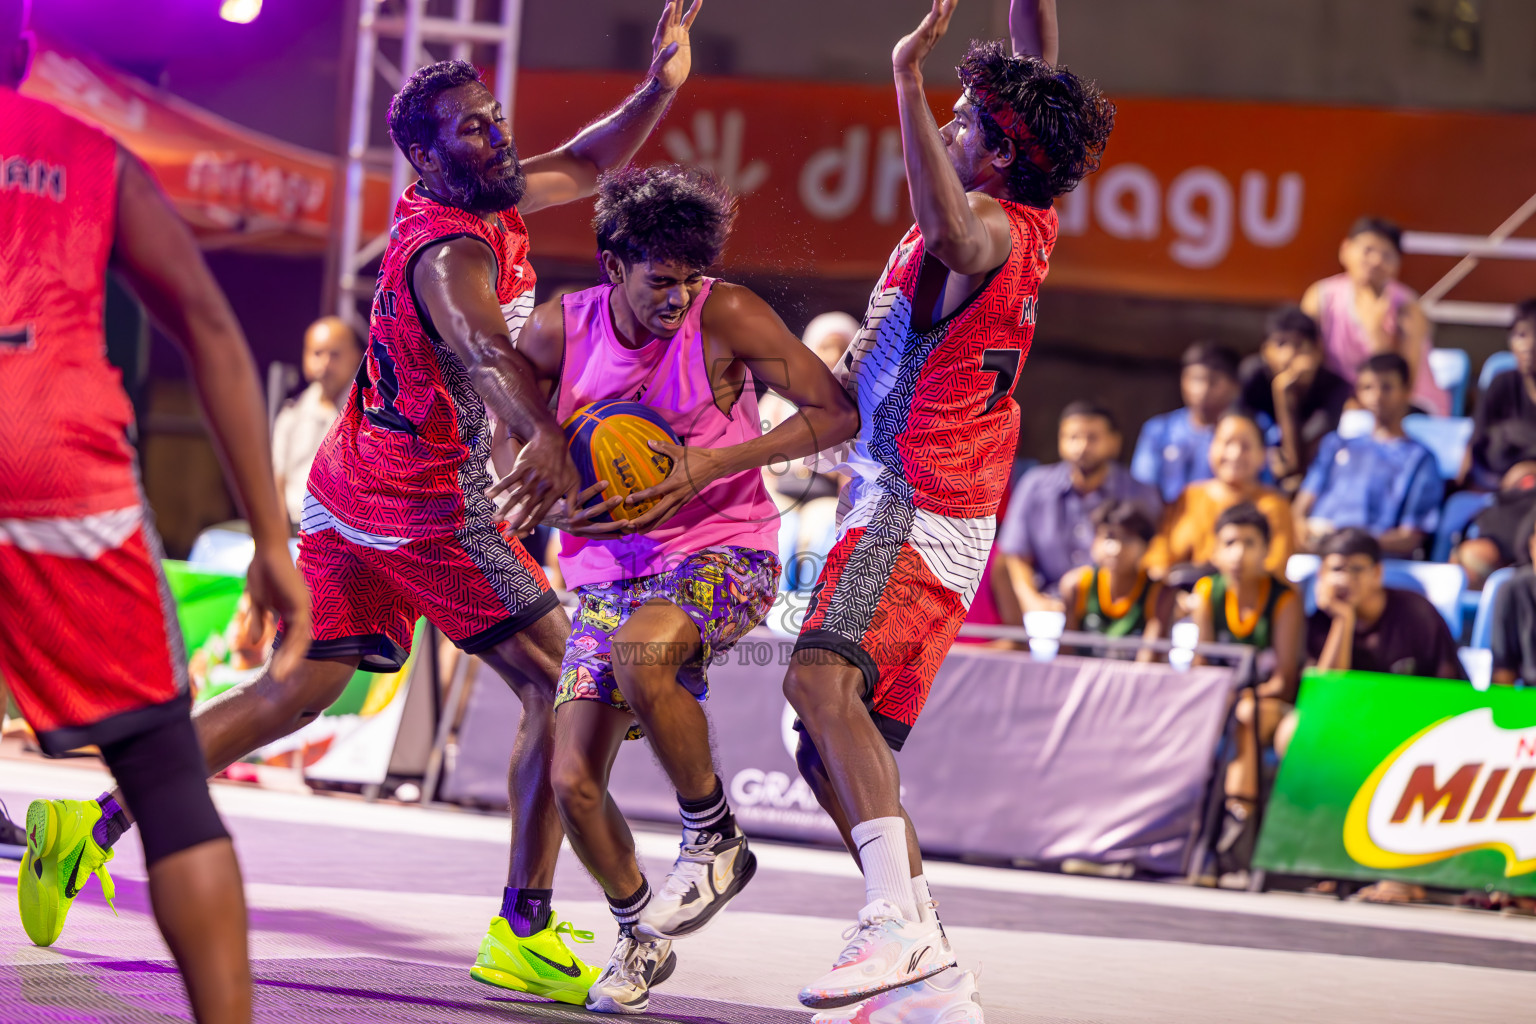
(1007, 117)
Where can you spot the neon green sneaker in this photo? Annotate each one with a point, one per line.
(540, 965)
(61, 856)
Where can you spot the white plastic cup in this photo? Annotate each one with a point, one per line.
(1044, 629)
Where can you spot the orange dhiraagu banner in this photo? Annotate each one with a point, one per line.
(1207, 200)
(235, 187)
(1204, 200)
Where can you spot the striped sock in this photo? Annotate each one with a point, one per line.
(711, 814)
(626, 911)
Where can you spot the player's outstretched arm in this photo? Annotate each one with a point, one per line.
(154, 250)
(455, 282)
(1032, 29)
(570, 172)
(741, 324)
(967, 232)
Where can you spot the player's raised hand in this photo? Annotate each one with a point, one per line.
(542, 474)
(672, 54)
(915, 46)
(275, 587)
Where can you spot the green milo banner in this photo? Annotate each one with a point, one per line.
(1422, 780)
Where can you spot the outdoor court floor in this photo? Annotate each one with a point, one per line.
(372, 912)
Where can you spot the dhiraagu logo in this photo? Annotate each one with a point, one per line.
(1462, 784)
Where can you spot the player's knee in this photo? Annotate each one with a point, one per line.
(163, 777)
(578, 790)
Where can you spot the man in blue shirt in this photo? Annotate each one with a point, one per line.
(1047, 530)
(1383, 482)
(1174, 449)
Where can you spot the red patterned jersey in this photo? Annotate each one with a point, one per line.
(64, 418)
(406, 457)
(939, 423)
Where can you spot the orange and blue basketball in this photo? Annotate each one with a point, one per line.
(610, 440)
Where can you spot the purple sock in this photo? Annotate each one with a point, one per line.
(112, 823)
(526, 910)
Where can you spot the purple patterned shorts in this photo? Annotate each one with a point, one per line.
(726, 591)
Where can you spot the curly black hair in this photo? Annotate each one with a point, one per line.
(1057, 122)
(669, 213)
(411, 120)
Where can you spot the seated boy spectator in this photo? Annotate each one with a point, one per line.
(1514, 625)
(1173, 450)
(1288, 382)
(1504, 430)
(1046, 531)
(1188, 533)
(1114, 596)
(1502, 528)
(1384, 482)
(1362, 625)
(1245, 603)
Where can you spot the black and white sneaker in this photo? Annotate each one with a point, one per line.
(636, 965)
(711, 868)
(13, 838)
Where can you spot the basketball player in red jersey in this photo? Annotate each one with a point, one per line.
(932, 371)
(397, 524)
(91, 648)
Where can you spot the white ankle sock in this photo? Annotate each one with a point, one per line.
(923, 897)
(882, 846)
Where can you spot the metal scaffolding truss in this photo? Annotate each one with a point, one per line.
(1500, 244)
(393, 39)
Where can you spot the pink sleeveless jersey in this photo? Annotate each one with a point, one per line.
(1345, 345)
(671, 377)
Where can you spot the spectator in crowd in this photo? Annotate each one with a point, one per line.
(1173, 450)
(1502, 528)
(1383, 481)
(1188, 533)
(1046, 530)
(1113, 595)
(1504, 430)
(1287, 381)
(331, 355)
(1514, 625)
(1366, 311)
(1363, 625)
(806, 500)
(1244, 603)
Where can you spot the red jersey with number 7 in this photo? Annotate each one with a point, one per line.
(406, 458)
(939, 426)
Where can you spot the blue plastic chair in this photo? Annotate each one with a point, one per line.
(1447, 438)
(1442, 584)
(1482, 626)
(1452, 368)
(1494, 365)
(1456, 519)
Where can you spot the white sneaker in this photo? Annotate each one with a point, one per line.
(885, 952)
(710, 870)
(635, 966)
(948, 997)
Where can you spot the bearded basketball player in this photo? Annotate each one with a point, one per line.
(932, 371)
(397, 524)
(91, 647)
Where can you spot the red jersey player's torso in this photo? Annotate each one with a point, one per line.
(939, 425)
(64, 418)
(407, 455)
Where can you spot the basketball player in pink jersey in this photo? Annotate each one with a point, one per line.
(663, 594)
(90, 646)
(932, 371)
(397, 524)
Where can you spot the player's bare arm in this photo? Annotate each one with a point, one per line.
(1033, 31)
(570, 172)
(542, 343)
(456, 285)
(740, 328)
(966, 231)
(155, 251)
